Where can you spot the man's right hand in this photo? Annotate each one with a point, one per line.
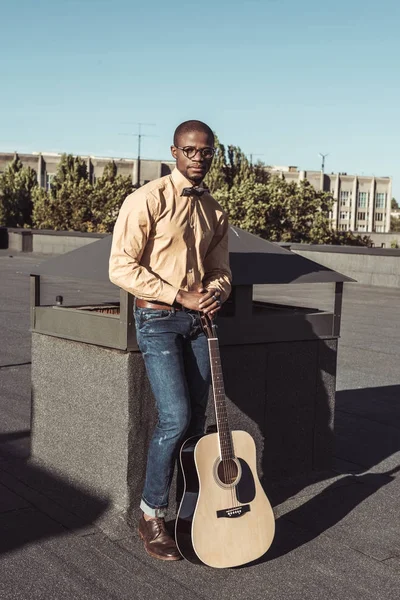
(190, 300)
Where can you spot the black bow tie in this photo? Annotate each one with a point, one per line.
(194, 191)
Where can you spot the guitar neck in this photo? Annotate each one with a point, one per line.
(221, 413)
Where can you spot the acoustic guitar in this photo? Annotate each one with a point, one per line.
(224, 518)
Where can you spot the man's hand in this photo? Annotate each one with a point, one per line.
(189, 299)
(210, 302)
(206, 301)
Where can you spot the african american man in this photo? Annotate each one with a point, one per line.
(170, 250)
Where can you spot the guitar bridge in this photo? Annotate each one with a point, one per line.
(233, 513)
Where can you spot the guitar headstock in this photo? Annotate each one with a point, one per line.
(209, 328)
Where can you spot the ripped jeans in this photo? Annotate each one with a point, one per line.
(175, 352)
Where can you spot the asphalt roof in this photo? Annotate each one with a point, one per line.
(338, 535)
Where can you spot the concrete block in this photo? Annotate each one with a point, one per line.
(20, 241)
(93, 411)
(80, 422)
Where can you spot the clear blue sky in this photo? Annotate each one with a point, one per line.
(283, 79)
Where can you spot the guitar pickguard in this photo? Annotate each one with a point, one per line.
(245, 489)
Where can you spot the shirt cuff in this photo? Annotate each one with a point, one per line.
(168, 293)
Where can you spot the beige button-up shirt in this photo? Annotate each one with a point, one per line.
(164, 242)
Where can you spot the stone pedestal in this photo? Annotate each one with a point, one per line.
(93, 411)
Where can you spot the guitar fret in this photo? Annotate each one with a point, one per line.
(225, 438)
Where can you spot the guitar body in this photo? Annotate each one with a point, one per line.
(225, 518)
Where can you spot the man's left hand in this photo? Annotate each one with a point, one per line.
(210, 303)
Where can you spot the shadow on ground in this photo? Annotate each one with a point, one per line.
(367, 438)
(33, 500)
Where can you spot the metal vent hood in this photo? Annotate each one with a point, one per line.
(253, 260)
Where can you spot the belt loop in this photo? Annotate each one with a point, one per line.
(134, 303)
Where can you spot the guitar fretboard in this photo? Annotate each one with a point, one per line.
(224, 432)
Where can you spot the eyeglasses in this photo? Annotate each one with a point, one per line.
(191, 151)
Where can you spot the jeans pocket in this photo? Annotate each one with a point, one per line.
(149, 315)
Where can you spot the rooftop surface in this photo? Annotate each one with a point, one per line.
(337, 533)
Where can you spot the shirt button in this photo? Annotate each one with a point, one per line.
(190, 270)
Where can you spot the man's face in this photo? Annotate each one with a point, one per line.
(196, 168)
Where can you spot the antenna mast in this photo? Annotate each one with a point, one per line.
(323, 156)
(139, 136)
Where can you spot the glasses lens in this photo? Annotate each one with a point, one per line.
(207, 152)
(189, 151)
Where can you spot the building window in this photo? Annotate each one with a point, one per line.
(361, 216)
(362, 199)
(344, 198)
(49, 179)
(379, 229)
(380, 200)
(343, 215)
(379, 217)
(361, 228)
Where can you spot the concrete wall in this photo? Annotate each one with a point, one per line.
(19, 241)
(49, 242)
(384, 239)
(370, 266)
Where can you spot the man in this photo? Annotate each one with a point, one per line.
(170, 250)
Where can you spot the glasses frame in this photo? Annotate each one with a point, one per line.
(201, 150)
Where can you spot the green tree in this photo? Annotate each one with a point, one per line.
(348, 238)
(278, 210)
(306, 212)
(215, 179)
(66, 206)
(284, 212)
(16, 187)
(395, 204)
(394, 223)
(231, 168)
(107, 196)
(268, 206)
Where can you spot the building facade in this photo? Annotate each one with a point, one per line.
(45, 166)
(361, 203)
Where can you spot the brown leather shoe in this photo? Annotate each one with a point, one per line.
(157, 541)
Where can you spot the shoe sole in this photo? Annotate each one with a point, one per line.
(153, 555)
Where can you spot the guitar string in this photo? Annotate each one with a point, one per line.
(222, 432)
(229, 460)
(217, 394)
(228, 464)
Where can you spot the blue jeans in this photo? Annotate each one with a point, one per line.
(175, 352)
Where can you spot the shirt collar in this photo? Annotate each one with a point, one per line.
(180, 181)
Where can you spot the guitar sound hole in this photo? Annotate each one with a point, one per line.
(227, 471)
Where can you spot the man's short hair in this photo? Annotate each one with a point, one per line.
(189, 126)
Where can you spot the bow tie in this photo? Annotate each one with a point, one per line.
(194, 191)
